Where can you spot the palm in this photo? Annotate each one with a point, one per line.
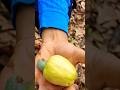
(65, 49)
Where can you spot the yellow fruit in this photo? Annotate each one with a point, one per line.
(59, 71)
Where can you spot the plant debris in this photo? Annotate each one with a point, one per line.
(76, 36)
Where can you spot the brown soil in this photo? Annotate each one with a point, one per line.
(76, 37)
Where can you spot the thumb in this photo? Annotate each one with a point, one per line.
(43, 54)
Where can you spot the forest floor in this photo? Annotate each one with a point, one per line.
(76, 36)
(104, 33)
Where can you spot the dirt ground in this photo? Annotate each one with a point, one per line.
(103, 19)
(76, 36)
(102, 30)
(103, 25)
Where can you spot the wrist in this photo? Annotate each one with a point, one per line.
(54, 35)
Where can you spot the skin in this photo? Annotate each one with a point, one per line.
(56, 42)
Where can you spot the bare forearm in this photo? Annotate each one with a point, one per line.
(54, 35)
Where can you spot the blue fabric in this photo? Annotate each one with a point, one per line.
(54, 13)
(14, 2)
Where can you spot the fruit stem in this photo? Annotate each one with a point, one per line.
(41, 64)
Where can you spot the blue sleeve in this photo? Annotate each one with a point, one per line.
(15, 2)
(54, 13)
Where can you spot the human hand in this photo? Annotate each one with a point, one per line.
(55, 42)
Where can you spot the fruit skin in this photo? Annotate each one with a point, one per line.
(59, 71)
